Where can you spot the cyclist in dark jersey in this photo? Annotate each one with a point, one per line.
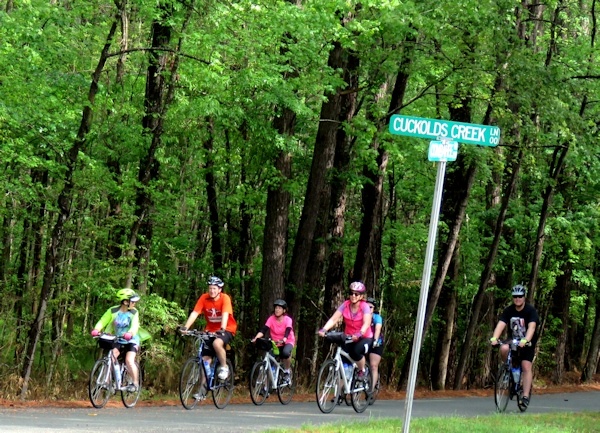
(523, 320)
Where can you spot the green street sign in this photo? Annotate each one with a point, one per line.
(483, 135)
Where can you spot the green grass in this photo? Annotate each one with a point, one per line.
(581, 422)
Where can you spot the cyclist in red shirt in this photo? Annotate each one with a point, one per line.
(218, 312)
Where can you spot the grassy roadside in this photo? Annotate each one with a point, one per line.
(581, 422)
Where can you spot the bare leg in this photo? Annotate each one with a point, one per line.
(527, 374)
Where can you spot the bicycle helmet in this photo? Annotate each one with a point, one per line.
(519, 290)
(371, 300)
(127, 295)
(215, 281)
(280, 303)
(358, 287)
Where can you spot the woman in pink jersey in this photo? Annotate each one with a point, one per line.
(280, 328)
(357, 322)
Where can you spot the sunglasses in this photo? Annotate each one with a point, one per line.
(355, 294)
(518, 296)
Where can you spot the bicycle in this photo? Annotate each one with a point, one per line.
(109, 376)
(268, 374)
(335, 377)
(198, 378)
(509, 379)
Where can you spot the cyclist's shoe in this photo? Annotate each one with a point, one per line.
(287, 378)
(263, 392)
(223, 373)
(340, 399)
(199, 396)
(525, 402)
(361, 376)
(131, 388)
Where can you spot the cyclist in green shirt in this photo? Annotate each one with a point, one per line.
(123, 321)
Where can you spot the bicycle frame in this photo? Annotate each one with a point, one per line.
(103, 383)
(506, 387)
(197, 379)
(333, 381)
(339, 356)
(272, 362)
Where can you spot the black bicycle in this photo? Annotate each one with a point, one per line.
(199, 377)
(508, 382)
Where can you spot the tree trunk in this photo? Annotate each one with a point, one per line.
(64, 212)
(589, 369)
(558, 161)
(367, 264)
(513, 169)
(445, 336)
(322, 162)
(561, 305)
(276, 223)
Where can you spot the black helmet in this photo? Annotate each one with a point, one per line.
(371, 300)
(280, 303)
(215, 281)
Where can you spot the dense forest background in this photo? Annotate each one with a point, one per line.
(150, 144)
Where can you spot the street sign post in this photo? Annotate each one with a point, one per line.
(445, 137)
(468, 133)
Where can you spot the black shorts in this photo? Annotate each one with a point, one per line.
(208, 348)
(526, 353)
(377, 350)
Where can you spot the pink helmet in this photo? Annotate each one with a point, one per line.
(357, 286)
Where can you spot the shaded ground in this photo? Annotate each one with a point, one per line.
(242, 396)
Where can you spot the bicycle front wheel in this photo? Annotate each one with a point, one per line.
(99, 384)
(259, 383)
(191, 389)
(223, 389)
(130, 392)
(328, 386)
(361, 391)
(502, 388)
(286, 386)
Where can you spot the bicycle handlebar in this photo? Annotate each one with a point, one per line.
(513, 343)
(197, 333)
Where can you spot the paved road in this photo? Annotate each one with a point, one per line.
(249, 418)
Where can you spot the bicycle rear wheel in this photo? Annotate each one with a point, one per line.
(223, 389)
(99, 387)
(130, 392)
(328, 386)
(502, 388)
(361, 391)
(259, 383)
(191, 383)
(286, 386)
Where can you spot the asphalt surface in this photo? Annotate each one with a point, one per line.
(250, 418)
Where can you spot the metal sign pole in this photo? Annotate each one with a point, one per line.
(414, 360)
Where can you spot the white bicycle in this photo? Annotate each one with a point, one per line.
(333, 379)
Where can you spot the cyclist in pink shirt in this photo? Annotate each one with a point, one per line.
(280, 328)
(357, 323)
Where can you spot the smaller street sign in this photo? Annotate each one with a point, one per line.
(443, 150)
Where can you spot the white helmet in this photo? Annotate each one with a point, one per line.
(519, 290)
